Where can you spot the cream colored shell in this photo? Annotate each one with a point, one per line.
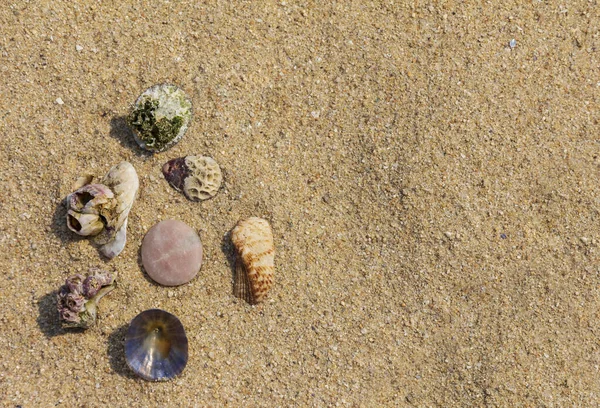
(205, 178)
(255, 252)
(101, 209)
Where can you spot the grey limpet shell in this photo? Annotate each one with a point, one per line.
(156, 346)
(160, 117)
(199, 177)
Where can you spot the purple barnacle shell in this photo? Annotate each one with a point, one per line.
(84, 224)
(75, 283)
(62, 293)
(69, 316)
(75, 302)
(91, 286)
(105, 279)
(93, 283)
(89, 198)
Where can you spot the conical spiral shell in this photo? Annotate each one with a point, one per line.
(255, 252)
(101, 209)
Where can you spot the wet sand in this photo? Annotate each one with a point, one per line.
(433, 194)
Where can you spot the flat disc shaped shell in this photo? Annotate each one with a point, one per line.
(171, 253)
(156, 347)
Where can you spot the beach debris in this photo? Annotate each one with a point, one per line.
(156, 346)
(512, 43)
(101, 209)
(59, 101)
(160, 117)
(78, 298)
(171, 253)
(199, 177)
(254, 264)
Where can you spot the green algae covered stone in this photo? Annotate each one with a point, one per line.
(160, 117)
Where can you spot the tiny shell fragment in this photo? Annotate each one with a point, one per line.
(255, 251)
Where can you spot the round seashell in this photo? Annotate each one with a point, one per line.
(254, 266)
(171, 253)
(160, 117)
(156, 346)
(198, 176)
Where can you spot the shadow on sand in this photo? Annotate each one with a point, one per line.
(116, 353)
(120, 131)
(47, 319)
(229, 252)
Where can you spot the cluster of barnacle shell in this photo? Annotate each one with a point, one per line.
(156, 345)
(100, 210)
(79, 296)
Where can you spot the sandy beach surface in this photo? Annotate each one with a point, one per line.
(432, 187)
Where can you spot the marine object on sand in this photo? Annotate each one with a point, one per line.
(78, 298)
(101, 209)
(160, 117)
(254, 264)
(171, 253)
(156, 347)
(199, 177)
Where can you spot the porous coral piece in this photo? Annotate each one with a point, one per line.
(205, 178)
(199, 177)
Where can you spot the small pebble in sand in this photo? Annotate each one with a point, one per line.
(171, 253)
(59, 101)
(512, 44)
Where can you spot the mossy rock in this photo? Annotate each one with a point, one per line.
(160, 117)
